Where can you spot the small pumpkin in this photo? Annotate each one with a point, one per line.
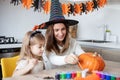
(79, 78)
(91, 61)
(92, 76)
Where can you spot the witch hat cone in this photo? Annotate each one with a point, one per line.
(56, 15)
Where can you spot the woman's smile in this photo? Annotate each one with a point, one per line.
(59, 31)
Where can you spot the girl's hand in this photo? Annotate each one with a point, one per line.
(71, 59)
(32, 63)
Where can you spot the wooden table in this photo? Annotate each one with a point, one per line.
(111, 67)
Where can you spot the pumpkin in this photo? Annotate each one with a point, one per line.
(79, 78)
(91, 61)
(92, 77)
(89, 77)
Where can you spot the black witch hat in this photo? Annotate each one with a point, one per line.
(56, 15)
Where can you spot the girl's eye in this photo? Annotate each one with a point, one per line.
(40, 47)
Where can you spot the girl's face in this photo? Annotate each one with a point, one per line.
(59, 31)
(38, 49)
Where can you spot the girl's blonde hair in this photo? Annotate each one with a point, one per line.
(30, 38)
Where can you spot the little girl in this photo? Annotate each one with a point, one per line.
(32, 59)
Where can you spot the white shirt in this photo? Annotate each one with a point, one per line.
(58, 60)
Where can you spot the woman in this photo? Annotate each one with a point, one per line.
(60, 47)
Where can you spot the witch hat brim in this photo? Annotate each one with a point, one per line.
(56, 15)
(69, 22)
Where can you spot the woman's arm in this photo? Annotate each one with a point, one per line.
(57, 60)
(70, 57)
(62, 60)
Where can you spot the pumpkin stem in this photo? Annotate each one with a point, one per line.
(96, 54)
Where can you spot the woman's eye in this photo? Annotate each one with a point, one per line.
(63, 28)
(56, 30)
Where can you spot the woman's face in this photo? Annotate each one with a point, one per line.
(59, 31)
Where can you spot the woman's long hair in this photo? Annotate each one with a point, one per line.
(51, 43)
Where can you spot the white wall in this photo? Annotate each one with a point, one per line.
(16, 20)
(112, 18)
(89, 24)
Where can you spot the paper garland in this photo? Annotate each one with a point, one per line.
(67, 8)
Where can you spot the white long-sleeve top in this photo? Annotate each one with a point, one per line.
(58, 60)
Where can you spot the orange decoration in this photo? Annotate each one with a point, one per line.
(65, 9)
(101, 3)
(89, 6)
(27, 3)
(91, 61)
(47, 6)
(35, 27)
(39, 26)
(77, 9)
(42, 26)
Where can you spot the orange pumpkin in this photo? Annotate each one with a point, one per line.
(92, 77)
(91, 61)
(79, 78)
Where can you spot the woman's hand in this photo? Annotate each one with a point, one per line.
(71, 59)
